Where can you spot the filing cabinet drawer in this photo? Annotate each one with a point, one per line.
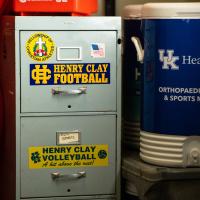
(40, 180)
(76, 75)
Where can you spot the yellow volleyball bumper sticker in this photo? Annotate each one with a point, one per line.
(68, 156)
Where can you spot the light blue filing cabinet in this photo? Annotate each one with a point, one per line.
(61, 80)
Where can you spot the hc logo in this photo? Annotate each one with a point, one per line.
(169, 60)
(41, 75)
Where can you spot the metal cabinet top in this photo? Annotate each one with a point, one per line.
(67, 23)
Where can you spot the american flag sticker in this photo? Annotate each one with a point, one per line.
(98, 50)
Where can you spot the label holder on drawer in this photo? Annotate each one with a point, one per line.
(76, 58)
(68, 137)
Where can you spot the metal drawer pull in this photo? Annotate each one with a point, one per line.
(58, 175)
(81, 90)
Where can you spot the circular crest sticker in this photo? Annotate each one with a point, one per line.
(40, 47)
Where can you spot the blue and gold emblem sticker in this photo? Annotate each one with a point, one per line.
(40, 47)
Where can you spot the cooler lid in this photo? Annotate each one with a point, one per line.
(171, 10)
(132, 11)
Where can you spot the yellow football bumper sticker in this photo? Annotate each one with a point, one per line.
(68, 156)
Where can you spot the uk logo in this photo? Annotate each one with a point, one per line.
(168, 59)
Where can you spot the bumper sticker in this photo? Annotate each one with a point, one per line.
(68, 74)
(68, 156)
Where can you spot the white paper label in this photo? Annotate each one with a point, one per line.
(68, 138)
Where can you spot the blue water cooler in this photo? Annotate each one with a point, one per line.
(170, 128)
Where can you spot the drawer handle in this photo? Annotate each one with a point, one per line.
(58, 175)
(81, 90)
